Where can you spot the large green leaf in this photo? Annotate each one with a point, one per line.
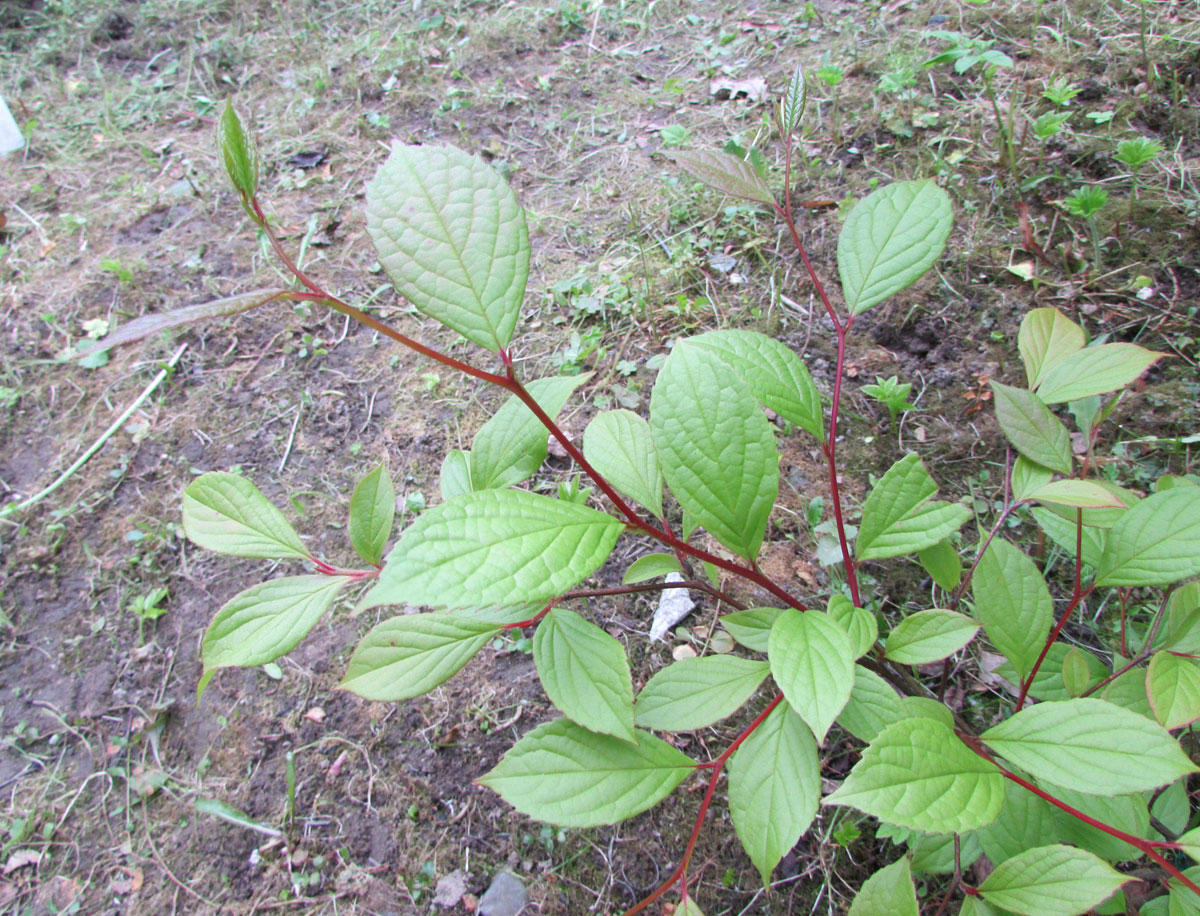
(618, 444)
(1079, 494)
(1051, 881)
(933, 853)
(563, 774)
(752, 628)
(228, 514)
(1091, 746)
(511, 446)
(776, 375)
(942, 563)
(1122, 498)
(372, 510)
(727, 174)
(1012, 600)
(1046, 338)
(890, 239)
(268, 620)
(1032, 429)
(1095, 370)
(900, 515)
(888, 892)
(696, 692)
(585, 673)
(409, 655)
(929, 636)
(716, 447)
(1156, 542)
(494, 548)
(872, 707)
(451, 235)
(774, 788)
(918, 774)
(1173, 688)
(1125, 812)
(812, 661)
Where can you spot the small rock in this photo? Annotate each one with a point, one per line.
(505, 897)
(673, 605)
(451, 888)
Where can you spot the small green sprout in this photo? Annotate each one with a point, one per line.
(892, 393)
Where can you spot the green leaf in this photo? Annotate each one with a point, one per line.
(511, 446)
(1076, 672)
(688, 907)
(752, 628)
(694, 693)
(1129, 692)
(1063, 532)
(942, 563)
(725, 173)
(1027, 476)
(1105, 517)
(774, 788)
(409, 655)
(900, 515)
(1032, 429)
(918, 774)
(372, 510)
(1046, 338)
(1173, 687)
(1156, 542)
(933, 853)
(1190, 842)
(238, 155)
(929, 636)
(860, 625)
(1025, 820)
(1013, 602)
(1081, 494)
(1125, 812)
(452, 237)
(795, 99)
(218, 809)
(494, 548)
(890, 239)
(716, 447)
(228, 514)
(873, 705)
(563, 774)
(813, 664)
(456, 474)
(888, 892)
(651, 566)
(1051, 881)
(1091, 746)
(585, 673)
(619, 445)
(776, 375)
(1095, 370)
(268, 620)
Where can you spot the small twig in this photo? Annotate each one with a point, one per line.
(291, 437)
(104, 437)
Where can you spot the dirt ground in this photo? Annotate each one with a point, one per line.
(118, 208)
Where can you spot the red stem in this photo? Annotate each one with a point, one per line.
(1146, 847)
(716, 766)
(830, 449)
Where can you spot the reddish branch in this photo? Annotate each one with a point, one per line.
(679, 875)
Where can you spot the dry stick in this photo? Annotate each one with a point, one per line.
(104, 436)
(716, 766)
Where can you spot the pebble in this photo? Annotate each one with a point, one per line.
(505, 897)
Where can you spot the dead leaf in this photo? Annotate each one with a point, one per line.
(20, 859)
(130, 884)
(754, 89)
(683, 651)
(316, 714)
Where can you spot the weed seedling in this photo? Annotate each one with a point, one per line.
(892, 393)
(1134, 154)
